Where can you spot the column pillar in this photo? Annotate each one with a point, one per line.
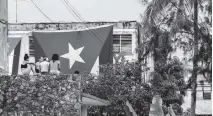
(84, 110)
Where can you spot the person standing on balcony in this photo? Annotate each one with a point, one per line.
(26, 66)
(44, 66)
(55, 65)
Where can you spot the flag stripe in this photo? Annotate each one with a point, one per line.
(106, 54)
(14, 54)
(95, 68)
(38, 49)
(16, 59)
(10, 57)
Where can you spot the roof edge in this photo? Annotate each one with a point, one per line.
(95, 98)
(70, 22)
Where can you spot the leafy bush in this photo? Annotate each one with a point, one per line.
(119, 83)
(168, 80)
(46, 95)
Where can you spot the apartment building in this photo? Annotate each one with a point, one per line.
(125, 35)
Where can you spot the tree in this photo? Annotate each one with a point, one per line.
(119, 83)
(195, 66)
(177, 18)
(168, 76)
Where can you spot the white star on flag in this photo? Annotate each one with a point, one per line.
(73, 55)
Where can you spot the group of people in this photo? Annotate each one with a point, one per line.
(43, 66)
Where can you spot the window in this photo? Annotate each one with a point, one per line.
(206, 95)
(122, 43)
(206, 91)
(31, 46)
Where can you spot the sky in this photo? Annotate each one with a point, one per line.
(90, 10)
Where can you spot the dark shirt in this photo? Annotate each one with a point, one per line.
(37, 70)
(24, 66)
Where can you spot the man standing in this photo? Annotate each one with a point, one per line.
(44, 66)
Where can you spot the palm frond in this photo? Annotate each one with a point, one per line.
(152, 12)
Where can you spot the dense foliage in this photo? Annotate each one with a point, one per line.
(39, 95)
(168, 80)
(175, 19)
(118, 84)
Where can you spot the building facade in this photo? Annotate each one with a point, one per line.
(3, 35)
(125, 34)
(126, 38)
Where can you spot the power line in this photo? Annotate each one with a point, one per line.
(68, 9)
(16, 10)
(76, 15)
(41, 11)
(73, 8)
(82, 20)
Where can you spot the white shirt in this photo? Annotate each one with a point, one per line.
(54, 65)
(44, 66)
(37, 65)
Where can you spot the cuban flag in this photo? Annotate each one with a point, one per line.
(83, 50)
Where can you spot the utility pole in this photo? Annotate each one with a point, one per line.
(195, 66)
(16, 10)
(3, 37)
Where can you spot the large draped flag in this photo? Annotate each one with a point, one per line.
(82, 50)
(14, 53)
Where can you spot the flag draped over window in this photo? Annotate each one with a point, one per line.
(81, 50)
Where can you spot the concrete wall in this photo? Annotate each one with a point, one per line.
(24, 48)
(3, 34)
(70, 25)
(3, 10)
